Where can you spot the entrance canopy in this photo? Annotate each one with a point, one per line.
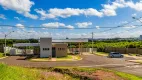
(69, 40)
(53, 41)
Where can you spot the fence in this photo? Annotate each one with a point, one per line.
(124, 50)
(2, 48)
(14, 51)
(72, 50)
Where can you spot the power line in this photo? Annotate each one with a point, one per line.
(51, 28)
(117, 26)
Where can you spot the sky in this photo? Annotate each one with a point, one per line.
(98, 15)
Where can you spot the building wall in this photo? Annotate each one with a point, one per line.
(61, 50)
(45, 47)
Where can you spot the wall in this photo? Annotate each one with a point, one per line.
(45, 47)
(15, 51)
(61, 50)
(2, 48)
(124, 50)
(72, 50)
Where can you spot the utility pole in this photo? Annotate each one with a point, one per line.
(5, 44)
(92, 41)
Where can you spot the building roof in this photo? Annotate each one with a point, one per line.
(57, 41)
(70, 40)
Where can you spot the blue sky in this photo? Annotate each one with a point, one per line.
(69, 14)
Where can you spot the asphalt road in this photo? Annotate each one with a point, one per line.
(119, 64)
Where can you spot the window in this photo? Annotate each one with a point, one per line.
(61, 48)
(45, 49)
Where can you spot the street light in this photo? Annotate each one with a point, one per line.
(5, 41)
(92, 41)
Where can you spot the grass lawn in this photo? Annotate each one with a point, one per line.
(101, 53)
(1, 55)
(67, 58)
(19, 73)
(62, 73)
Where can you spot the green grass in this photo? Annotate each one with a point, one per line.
(101, 53)
(19, 73)
(62, 73)
(1, 55)
(67, 58)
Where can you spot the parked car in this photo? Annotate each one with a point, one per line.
(115, 55)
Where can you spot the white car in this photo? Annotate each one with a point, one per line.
(115, 55)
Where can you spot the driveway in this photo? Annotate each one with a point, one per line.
(119, 64)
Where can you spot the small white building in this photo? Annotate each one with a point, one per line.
(45, 47)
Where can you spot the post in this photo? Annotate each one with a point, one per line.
(92, 41)
(5, 45)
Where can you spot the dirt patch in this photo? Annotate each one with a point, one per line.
(102, 75)
(99, 75)
(95, 75)
(46, 75)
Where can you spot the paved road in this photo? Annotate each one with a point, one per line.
(119, 64)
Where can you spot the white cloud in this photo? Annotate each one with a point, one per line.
(69, 26)
(56, 25)
(134, 15)
(137, 6)
(110, 9)
(123, 22)
(53, 25)
(92, 12)
(20, 6)
(107, 10)
(17, 18)
(43, 13)
(2, 16)
(129, 26)
(98, 27)
(84, 24)
(20, 26)
(67, 12)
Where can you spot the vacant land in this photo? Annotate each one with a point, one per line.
(62, 73)
(19, 73)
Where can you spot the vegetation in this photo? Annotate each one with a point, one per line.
(100, 45)
(101, 53)
(62, 73)
(1, 55)
(67, 58)
(19, 73)
(10, 42)
(88, 73)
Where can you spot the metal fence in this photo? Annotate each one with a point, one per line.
(124, 50)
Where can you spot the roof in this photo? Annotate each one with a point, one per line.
(57, 41)
(70, 40)
(25, 44)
